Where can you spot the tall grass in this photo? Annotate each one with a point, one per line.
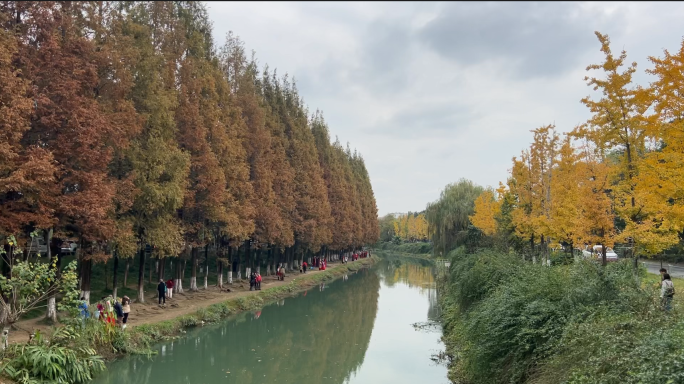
(508, 321)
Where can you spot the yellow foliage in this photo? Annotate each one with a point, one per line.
(487, 208)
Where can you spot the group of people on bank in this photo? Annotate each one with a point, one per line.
(112, 312)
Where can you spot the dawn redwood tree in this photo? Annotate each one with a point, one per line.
(312, 210)
(283, 173)
(27, 171)
(70, 122)
(331, 159)
(160, 166)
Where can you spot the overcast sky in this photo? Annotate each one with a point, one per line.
(433, 92)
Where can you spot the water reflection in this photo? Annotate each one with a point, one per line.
(416, 273)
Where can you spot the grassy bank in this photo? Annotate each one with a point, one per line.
(388, 253)
(509, 321)
(84, 346)
(418, 248)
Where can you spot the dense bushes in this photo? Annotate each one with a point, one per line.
(67, 357)
(509, 321)
(418, 248)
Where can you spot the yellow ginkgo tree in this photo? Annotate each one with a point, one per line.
(487, 208)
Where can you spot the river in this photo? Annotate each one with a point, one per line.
(358, 329)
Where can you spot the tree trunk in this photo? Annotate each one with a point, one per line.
(86, 269)
(219, 269)
(141, 276)
(162, 266)
(206, 265)
(229, 277)
(53, 254)
(178, 279)
(128, 264)
(115, 274)
(603, 255)
(193, 278)
(106, 276)
(152, 269)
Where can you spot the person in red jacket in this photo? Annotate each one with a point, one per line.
(169, 288)
(305, 266)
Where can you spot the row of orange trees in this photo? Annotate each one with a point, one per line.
(123, 125)
(619, 177)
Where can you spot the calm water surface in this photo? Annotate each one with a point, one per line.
(355, 330)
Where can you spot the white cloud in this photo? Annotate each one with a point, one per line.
(391, 81)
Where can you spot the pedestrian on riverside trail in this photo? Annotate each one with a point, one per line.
(667, 292)
(161, 290)
(258, 281)
(169, 288)
(118, 310)
(126, 306)
(252, 281)
(305, 265)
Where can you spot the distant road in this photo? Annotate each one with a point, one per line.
(673, 270)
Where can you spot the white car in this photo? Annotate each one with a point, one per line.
(595, 252)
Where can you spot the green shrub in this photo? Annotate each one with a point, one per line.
(474, 276)
(62, 360)
(504, 318)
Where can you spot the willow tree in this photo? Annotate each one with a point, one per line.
(448, 217)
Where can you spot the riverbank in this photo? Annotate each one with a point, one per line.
(150, 331)
(171, 322)
(509, 321)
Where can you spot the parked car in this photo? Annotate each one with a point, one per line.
(37, 246)
(68, 248)
(596, 253)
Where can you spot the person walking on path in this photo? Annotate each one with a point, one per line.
(667, 292)
(118, 309)
(258, 281)
(305, 266)
(126, 306)
(161, 289)
(169, 288)
(252, 281)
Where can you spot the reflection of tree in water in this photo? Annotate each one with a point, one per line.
(322, 337)
(416, 273)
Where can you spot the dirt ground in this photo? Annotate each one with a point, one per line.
(181, 304)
